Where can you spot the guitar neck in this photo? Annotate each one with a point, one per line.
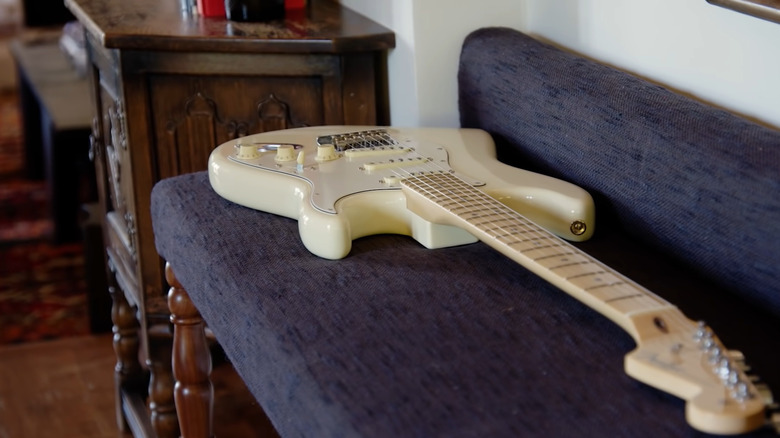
(442, 197)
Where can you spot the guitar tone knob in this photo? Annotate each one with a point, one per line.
(326, 153)
(284, 153)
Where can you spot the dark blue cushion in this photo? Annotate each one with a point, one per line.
(698, 183)
(399, 341)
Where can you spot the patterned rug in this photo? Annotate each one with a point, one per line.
(22, 202)
(23, 205)
(42, 286)
(11, 159)
(42, 292)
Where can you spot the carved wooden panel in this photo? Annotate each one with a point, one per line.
(192, 116)
(115, 146)
(112, 142)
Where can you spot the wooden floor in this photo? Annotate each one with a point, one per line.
(62, 388)
(65, 389)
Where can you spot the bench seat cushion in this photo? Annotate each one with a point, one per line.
(397, 340)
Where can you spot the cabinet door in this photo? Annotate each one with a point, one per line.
(192, 115)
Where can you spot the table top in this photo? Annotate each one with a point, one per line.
(54, 80)
(324, 26)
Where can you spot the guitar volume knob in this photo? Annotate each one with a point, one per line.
(285, 152)
(247, 151)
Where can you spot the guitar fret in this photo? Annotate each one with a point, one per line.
(571, 259)
(510, 236)
(618, 297)
(533, 243)
(492, 215)
(533, 248)
(617, 283)
(549, 256)
(568, 265)
(625, 297)
(590, 281)
(576, 271)
(503, 226)
(479, 219)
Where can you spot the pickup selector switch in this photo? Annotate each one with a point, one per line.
(285, 152)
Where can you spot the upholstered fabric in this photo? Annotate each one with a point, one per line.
(397, 340)
(697, 182)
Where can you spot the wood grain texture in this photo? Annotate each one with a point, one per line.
(191, 364)
(65, 388)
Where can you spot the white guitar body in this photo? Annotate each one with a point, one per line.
(352, 202)
(444, 187)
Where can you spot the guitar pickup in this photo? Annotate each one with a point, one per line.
(376, 152)
(394, 164)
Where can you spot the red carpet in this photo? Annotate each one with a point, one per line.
(42, 286)
(23, 207)
(42, 292)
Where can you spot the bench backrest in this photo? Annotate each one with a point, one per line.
(698, 183)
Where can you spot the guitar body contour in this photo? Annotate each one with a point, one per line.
(338, 200)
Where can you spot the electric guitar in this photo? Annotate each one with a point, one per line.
(445, 187)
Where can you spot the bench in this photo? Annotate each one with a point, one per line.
(399, 340)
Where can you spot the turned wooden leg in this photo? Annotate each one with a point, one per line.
(161, 402)
(128, 371)
(193, 391)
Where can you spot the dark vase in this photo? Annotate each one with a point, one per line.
(254, 10)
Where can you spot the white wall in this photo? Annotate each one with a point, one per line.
(428, 36)
(717, 55)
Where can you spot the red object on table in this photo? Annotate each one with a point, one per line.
(211, 8)
(294, 4)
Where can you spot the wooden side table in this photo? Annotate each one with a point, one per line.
(167, 89)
